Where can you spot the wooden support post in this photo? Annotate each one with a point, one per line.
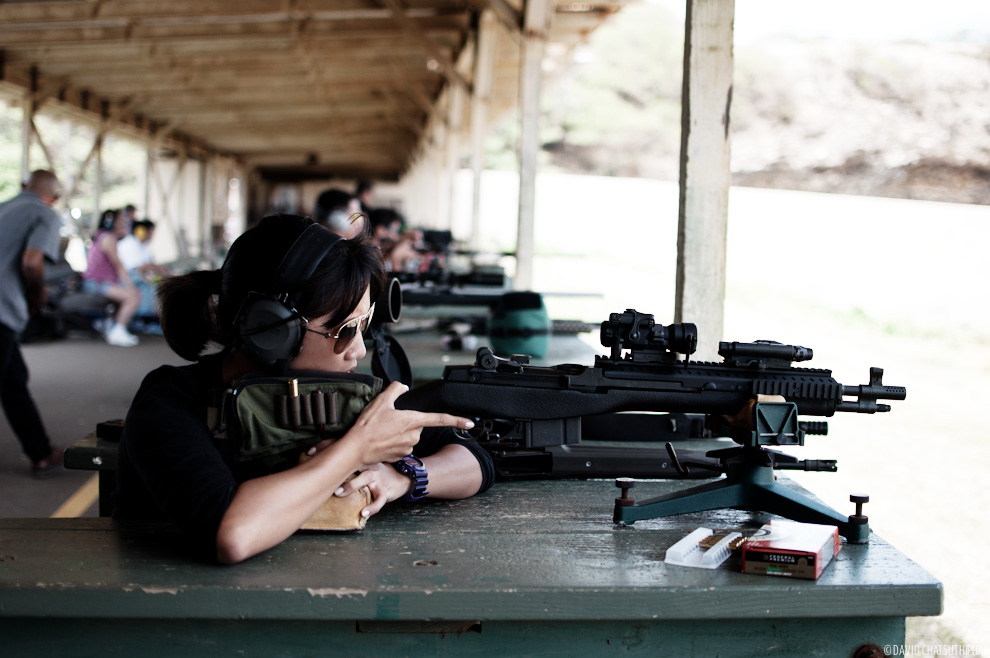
(704, 170)
(484, 65)
(508, 16)
(182, 240)
(27, 125)
(108, 120)
(455, 122)
(98, 189)
(203, 226)
(166, 196)
(147, 178)
(537, 26)
(49, 157)
(77, 179)
(437, 154)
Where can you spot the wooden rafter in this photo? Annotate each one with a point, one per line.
(441, 58)
(508, 17)
(211, 74)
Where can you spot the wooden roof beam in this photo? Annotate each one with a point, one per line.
(198, 10)
(508, 16)
(444, 62)
(54, 33)
(218, 124)
(89, 107)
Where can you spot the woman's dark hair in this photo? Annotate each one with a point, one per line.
(107, 220)
(201, 307)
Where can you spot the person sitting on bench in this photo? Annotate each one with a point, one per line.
(107, 276)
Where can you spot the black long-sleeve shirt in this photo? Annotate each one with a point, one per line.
(170, 467)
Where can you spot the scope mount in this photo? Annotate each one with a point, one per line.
(645, 339)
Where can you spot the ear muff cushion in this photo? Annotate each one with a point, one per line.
(269, 330)
(303, 257)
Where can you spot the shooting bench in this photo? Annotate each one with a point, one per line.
(528, 568)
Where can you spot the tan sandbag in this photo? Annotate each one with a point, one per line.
(340, 512)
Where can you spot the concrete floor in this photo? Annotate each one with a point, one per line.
(76, 383)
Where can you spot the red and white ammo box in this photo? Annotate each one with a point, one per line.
(790, 549)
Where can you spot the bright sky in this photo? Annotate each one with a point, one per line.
(863, 20)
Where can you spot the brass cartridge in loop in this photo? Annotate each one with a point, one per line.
(295, 415)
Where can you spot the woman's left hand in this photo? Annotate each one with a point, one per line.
(385, 483)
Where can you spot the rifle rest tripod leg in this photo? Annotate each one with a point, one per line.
(780, 499)
(747, 487)
(713, 495)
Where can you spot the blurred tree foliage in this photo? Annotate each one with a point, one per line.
(70, 143)
(10, 154)
(903, 119)
(616, 111)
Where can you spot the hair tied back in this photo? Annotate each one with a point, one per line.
(216, 281)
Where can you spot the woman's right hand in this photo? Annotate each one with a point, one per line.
(386, 434)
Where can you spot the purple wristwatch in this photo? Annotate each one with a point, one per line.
(413, 468)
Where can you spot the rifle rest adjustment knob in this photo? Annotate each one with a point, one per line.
(624, 484)
(859, 500)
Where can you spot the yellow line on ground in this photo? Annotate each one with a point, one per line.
(77, 504)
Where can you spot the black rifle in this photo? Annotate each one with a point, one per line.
(526, 408)
(531, 417)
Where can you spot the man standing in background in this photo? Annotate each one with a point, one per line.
(29, 234)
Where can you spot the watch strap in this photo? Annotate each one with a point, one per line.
(413, 467)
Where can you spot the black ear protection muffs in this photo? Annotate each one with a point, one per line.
(268, 327)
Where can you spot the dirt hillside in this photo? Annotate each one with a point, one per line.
(893, 119)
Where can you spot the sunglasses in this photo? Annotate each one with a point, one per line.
(346, 332)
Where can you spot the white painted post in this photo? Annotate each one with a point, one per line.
(484, 65)
(98, 191)
(704, 170)
(536, 27)
(455, 122)
(204, 208)
(147, 182)
(27, 121)
(180, 204)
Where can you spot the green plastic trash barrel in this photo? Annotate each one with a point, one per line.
(520, 325)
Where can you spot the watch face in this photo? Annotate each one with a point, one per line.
(412, 467)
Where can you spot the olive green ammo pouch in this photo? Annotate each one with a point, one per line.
(272, 420)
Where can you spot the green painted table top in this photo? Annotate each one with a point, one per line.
(538, 550)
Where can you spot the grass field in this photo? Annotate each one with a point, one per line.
(864, 282)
